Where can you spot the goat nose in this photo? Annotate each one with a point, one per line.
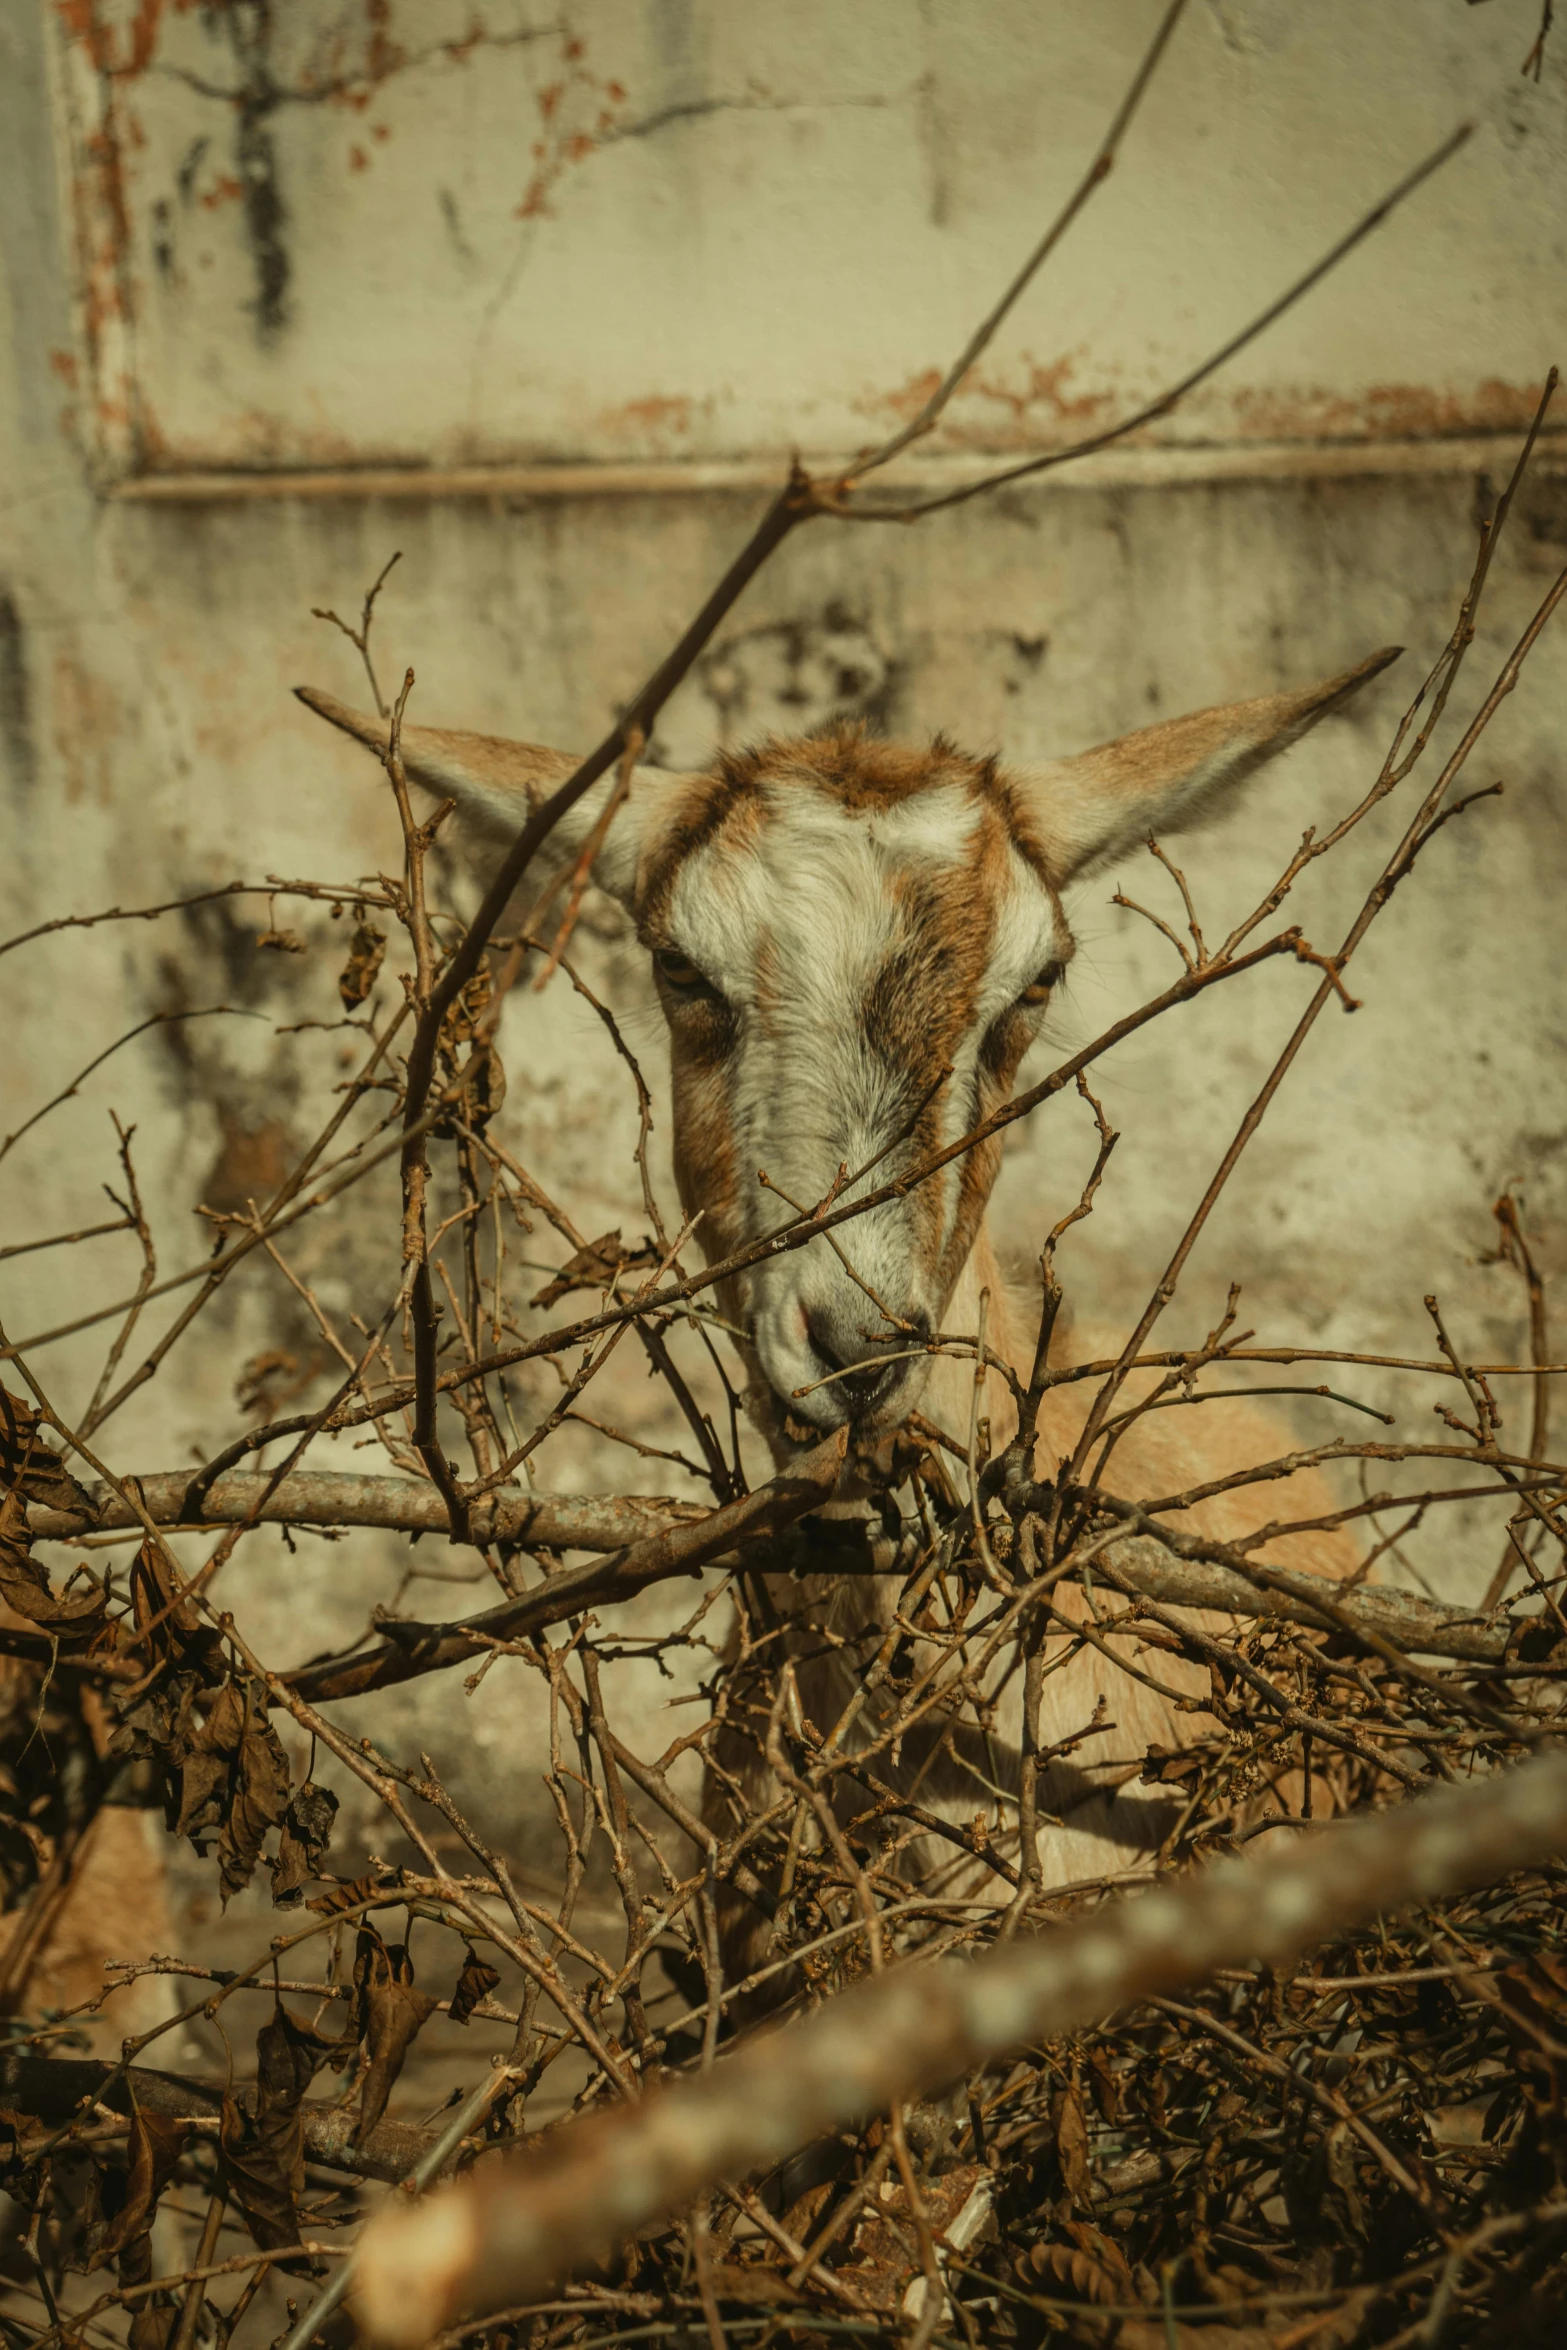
(866, 1367)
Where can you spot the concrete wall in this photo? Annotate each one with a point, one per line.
(252, 253)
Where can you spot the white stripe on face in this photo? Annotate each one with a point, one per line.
(857, 951)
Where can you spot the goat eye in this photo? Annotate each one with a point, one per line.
(681, 976)
(1038, 989)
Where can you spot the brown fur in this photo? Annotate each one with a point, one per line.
(1062, 819)
(1097, 1819)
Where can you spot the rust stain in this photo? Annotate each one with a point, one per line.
(65, 366)
(119, 54)
(386, 56)
(653, 418)
(1029, 406)
(905, 400)
(358, 160)
(1386, 411)
(575, 114)
(225, 189)
(1034, 400)
(87, 722)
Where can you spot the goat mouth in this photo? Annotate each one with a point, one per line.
(870, 1416)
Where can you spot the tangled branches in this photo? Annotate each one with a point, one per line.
(1367, 2149)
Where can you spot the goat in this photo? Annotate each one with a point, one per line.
(833, 922)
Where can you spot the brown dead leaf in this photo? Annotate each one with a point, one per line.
(1072, 2147)
(289, 2054)
(282, 942)
(24, 1585)
(392, 2014)
(366, 950)
(31, 1473)
(153, 2151)
(28, 1465)
(1087, 2266)
(234, 1779)
(1106, 2084)
(259, 1801)
(347, 1896)
(154, 2324)
(598, 1266)
(302, 1847)
(257, 2181)
(477, 1980)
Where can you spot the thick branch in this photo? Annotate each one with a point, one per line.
(414, 1648)
(1420, 1627)
(550, 1521)
(508, 2232)
(658, 1539)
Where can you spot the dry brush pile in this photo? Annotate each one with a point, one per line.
(1313, 2096)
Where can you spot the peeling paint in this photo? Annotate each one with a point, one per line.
(652, 419)
(1385, 411)
(1032, 397)
(576, 114)
(1043, 408)
(350, 78)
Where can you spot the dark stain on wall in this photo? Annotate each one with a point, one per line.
(16, 716)
(255, 153)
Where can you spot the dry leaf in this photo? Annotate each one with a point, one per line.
(477, 1980)
(349, 1895)
(154, 2324)
(289, 2054)
(366, 950)
(31, 1473)
(597, 1267)
(302, 1847)
(153, 2151)
(25, 1587)
(1089, 2266)
(233, 1778)
(1106, 2084)
(1072, 2147)
(28, 1465)
(392, 2014)
(256, 2181)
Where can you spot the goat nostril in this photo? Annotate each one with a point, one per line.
(839, 1346)
(863, 1368)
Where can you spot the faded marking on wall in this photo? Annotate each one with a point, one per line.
(996, 411)
(575, 114)
(103, 64)
(88, 720)
(16, 701)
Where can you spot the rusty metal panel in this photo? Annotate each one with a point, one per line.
(411, 233)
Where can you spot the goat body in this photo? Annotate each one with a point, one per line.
(854, 944)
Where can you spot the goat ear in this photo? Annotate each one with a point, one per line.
(1085, 810)
(497, 784)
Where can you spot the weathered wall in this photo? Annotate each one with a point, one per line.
(662, 242)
